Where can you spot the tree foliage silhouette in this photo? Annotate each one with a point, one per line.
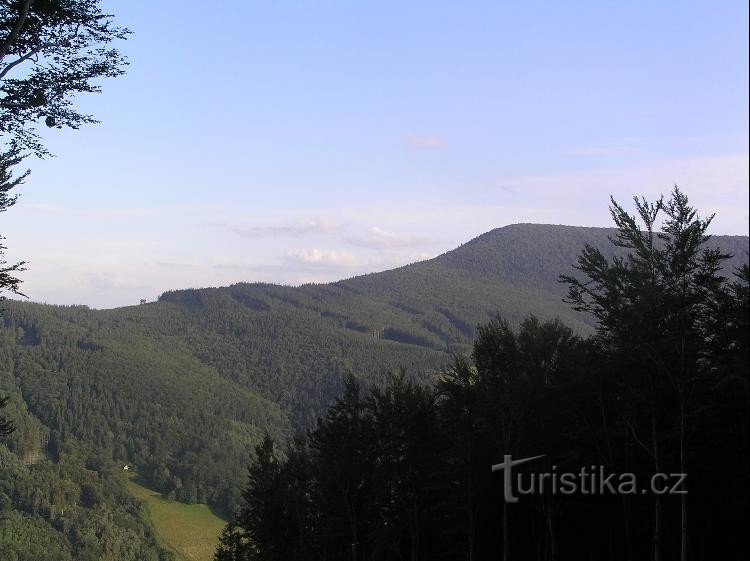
(50, 51)
(402, 470)
(652, 308)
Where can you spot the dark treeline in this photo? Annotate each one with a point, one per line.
(403, 470)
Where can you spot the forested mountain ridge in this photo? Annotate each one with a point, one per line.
(183, 387)
(514, 269)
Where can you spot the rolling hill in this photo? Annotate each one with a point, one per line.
(182, 387)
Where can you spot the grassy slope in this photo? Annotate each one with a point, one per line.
(190, 531)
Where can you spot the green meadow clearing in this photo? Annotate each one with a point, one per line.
(190, 531)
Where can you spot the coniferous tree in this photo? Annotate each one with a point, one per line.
(496, 355)
(261, 516)
(8, 160)
(233, 545)
(650, 307)
(341, 448)
(409, 471)
(465, 451)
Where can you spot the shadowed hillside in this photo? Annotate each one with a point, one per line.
(183, 387)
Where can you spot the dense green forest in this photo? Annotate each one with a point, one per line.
(402, 470)
(184, 388)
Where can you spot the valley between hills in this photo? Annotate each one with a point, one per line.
(183, 388)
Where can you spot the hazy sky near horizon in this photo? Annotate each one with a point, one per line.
(308, 141)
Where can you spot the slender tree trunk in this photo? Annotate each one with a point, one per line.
(506, 536)
(414, 527)
(657, 502)
(470, 500)
(472, 530)
(539, 535)
(626, 526)
(352, 519)
(628, 503)
(683, 497)
(355, 541)
(552, 538)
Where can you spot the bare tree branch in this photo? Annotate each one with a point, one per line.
(19, 60)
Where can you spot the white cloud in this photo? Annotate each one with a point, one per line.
(377, 238)
(314, 226)
(325, 258)
(330, 264)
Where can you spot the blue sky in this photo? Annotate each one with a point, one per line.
(309, 141)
